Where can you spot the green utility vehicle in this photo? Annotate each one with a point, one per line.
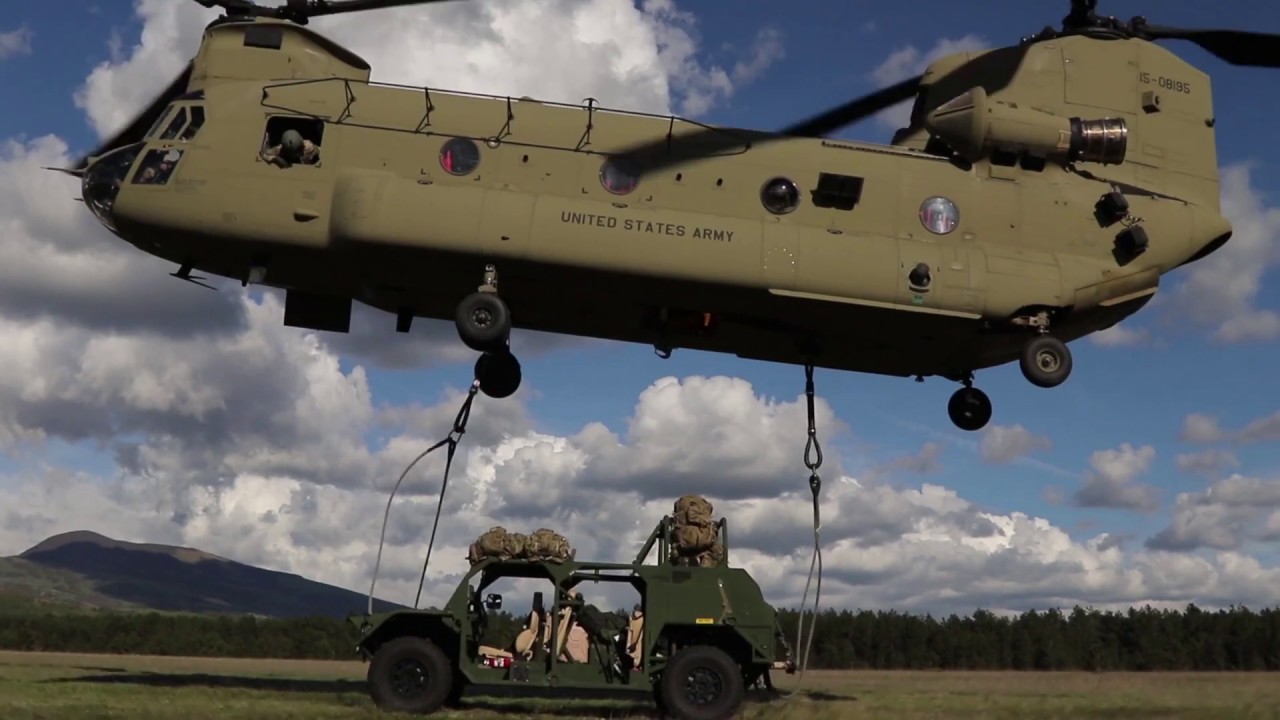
(700, 635)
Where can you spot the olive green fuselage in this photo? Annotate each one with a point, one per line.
(691, 256)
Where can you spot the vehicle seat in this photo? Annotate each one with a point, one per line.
(635, 636)
(524, 641)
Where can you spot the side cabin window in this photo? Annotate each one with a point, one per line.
(292, 140)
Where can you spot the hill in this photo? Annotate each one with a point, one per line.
(83, 570)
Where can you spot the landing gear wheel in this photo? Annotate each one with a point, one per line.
(499, 374)
(970, 409)
(1046, 361)
(701, 683)
(483, 321)
(410, 675)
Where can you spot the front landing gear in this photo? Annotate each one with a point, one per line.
(499, 373)
(484, 324)
(969, 408)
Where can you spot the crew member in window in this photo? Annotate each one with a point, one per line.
(294, 149)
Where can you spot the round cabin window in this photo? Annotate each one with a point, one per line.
(780, 196)
(619, 176)
(939, 215)
(459, 156)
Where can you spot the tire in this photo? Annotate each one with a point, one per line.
(499, 374)
(396, 669)
(969, 409)
(483, 322)
(701, 683)
(1046, 361)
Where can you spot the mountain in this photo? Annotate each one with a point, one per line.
(85, 570)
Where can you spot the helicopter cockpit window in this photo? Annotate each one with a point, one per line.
(155, 126)
(619, 176)
(179, 119)
(291, 140)
(197, 120)
(157, 166)
(459, 156)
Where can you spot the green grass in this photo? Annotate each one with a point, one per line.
(71, 686)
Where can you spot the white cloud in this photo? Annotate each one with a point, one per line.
(1224, 516)
(16, 42)
(908, 61)
(1201, 428)
(1220, 292)
(1120, 336)
(1002, 444)
(912, 548)
(1111, 482)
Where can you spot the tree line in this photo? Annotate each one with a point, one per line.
(1142, 639)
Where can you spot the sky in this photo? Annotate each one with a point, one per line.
(152, 410)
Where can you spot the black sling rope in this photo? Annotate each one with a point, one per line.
(813, 461)
(452, 439)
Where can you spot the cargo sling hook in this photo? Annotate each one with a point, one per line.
(452, 439)
(813, 461)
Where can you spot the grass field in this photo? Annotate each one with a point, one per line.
(72, 687)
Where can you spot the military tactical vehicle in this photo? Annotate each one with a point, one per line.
(1040, 193)
(701, 634)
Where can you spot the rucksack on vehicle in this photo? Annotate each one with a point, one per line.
(546, 544)
(694, 510)
(491, 544)
(694, 535)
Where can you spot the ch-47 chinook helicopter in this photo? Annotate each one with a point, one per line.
(1039, 194)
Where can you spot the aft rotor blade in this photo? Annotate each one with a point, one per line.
(1238, 47)
(855, 110)
(333, 7)
(134, 131)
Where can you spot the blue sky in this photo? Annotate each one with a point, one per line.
(1132, 394)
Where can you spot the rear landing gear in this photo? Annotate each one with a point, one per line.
(484, 325)
(1046, 361)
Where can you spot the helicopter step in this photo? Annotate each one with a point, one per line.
(484, 324)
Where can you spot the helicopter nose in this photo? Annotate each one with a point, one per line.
(102, 181)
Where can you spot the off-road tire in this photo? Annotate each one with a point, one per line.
(392, 671)
(706, 671)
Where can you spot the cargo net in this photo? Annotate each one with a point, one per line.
(695, 536)
(542, 545)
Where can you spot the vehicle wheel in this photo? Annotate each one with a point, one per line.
(970, 409)
(499, 374)
(1046, 361)
(701, 683)
(410, 675)
(483, 321)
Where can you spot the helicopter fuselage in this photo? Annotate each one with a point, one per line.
(889, 259)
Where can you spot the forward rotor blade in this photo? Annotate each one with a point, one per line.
(855, 110)
(1238, 47)
(138, 127)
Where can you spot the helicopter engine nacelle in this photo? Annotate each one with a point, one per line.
(974, 124)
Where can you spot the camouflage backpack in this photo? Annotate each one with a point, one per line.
(693, 510)
(515, 546)
(693, 539)
(547, 544)
(490, 544)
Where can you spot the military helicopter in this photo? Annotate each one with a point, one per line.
(1039, 194)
